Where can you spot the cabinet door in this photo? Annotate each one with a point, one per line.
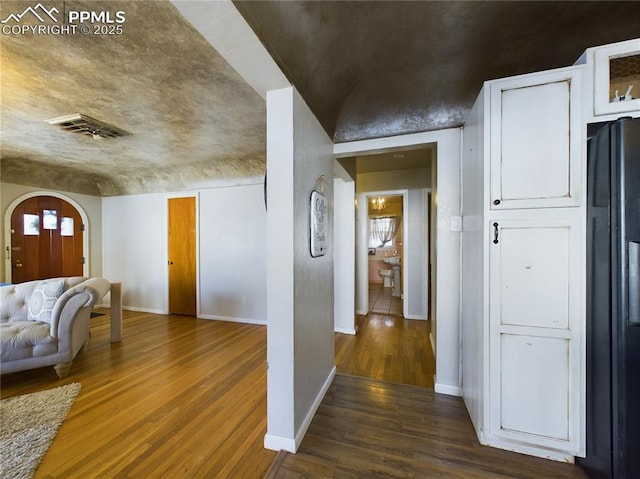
(615, 71)
(536, 366)
(536, 140)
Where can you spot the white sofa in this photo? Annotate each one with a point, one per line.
(44, 323)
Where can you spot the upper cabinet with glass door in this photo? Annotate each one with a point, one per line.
(616, 70)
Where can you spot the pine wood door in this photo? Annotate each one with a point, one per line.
(182, 256)
(46, 240)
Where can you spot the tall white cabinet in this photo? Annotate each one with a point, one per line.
(523, 255)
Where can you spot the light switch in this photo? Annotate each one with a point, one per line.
(456, 223)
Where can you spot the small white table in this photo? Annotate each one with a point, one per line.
(116, 312)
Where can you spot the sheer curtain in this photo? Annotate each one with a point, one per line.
(384, 229)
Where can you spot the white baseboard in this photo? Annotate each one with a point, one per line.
(415, 316)
(260, 322)
(345, 331)
(278, 443)
(314, 407)
(514, 446)
(447, 389)
(359, 312)
(144, 310)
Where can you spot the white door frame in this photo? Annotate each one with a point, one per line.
(362, 248)
(445, 297)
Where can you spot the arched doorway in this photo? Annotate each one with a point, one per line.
(47, 239)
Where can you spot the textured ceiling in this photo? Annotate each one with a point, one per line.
(373, 68)
(397, 160)
(366, 69)
(193, 119)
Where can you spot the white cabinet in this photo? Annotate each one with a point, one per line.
(536, 141)
(522, 299)
(531, 266)
(535, 332)
(534, 388)
(616, 70)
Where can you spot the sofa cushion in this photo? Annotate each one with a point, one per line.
(25, 339)
(14, 298)
(14, 303)
(43, 299)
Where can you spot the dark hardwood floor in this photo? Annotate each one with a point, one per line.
(372, 429)
(382, 419)
(180, 397)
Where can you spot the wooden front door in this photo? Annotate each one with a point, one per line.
(46, 240)
(182, 256)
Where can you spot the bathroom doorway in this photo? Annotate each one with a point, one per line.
(385, 254)
(378, 165)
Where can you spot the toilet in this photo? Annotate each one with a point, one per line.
(387, 277)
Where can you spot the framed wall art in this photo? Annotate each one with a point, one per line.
(318, 224)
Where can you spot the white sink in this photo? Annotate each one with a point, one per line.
(392, 260)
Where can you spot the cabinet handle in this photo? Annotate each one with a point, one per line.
(495, 233)
(496, 202)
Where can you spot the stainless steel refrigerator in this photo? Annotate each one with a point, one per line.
(613, 301)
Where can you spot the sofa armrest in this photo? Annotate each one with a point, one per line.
(92, 290)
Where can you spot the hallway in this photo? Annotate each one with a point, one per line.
(373, 429)
(372, 426)
(387, 348)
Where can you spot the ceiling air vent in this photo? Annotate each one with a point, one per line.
(85, 125)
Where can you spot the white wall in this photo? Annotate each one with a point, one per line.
(92, 206)
(135, 249)
(300, 336)
(344, 256)
(418, 255)
(416, 181)
(473, 263)
(231, 251)
(447, 277)
(233, 254)
(446, 195)
(281, 429)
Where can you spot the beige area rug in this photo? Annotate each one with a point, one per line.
(28, 424)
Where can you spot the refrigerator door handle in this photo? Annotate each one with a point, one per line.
(634, 283)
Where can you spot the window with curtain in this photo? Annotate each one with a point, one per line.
(382, 231)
